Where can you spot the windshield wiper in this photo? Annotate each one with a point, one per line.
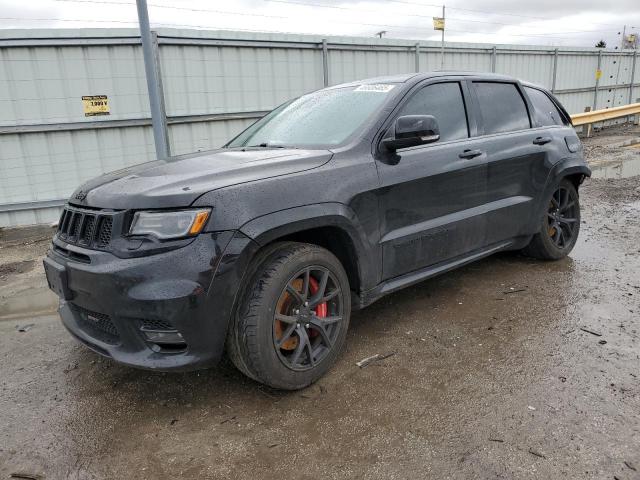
(267, 145)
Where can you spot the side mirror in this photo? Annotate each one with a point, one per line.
(412, 130)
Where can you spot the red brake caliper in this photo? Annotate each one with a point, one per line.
(321, 308)
(283, 305)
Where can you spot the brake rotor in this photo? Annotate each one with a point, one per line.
(285, 306)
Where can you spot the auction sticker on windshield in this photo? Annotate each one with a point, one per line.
(380, 88)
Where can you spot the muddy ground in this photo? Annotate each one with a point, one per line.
(508, 368)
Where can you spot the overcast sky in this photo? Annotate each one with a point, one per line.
(540, 22)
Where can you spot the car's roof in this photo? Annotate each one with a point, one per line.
(534, 85)
(416, 77)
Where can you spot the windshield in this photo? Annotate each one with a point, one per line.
(326, 117)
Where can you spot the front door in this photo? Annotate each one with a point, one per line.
(432, 196)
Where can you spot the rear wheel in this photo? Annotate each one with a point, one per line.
(292, 320)
(560, 225)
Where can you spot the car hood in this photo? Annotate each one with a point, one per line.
(177, 182)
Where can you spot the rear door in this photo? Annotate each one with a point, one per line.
(517, 154)
(432, 195)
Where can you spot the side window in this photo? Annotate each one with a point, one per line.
(502, 107)
(544, 110)
(445, 102)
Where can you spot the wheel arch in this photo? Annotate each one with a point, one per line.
(332, 226)
(575, 170)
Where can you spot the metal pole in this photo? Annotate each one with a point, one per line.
(595, 91)
(614, 90)
(494, 54)
(633, 75)
(154, 84)
(442, 45)
(555, 70)
(417, 58)
(635, 117)
(325, 62)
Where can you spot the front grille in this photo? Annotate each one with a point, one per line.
(104, 236)
(64, 224)
(98, 325)
(156, 325)
(88, 229)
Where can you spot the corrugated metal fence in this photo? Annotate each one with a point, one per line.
(215, 84)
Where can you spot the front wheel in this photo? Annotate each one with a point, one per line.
(560, 225)
(292, 321)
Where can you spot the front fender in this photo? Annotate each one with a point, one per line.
(270, 227)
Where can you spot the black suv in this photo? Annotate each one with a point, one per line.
(263, 247)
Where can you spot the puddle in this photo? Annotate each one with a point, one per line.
(28, 302)
(16, 267)
(617, 169)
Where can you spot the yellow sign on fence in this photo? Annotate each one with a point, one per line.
(598, 74)
(95, 105)
(438, 23)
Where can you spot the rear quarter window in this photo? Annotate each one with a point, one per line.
(502, 107)
(544, 110)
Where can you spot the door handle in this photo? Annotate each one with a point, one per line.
(541, 140)
(468, 154)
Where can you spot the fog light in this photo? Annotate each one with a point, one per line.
(162, 337)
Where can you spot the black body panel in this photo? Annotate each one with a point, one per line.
(403, 215)
(190, 289)
(179, 181)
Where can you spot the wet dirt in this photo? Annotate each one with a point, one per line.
(508, 368)
(23, 287)
(614, 152)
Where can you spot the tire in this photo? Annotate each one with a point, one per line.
(295, 348)
(559, 225)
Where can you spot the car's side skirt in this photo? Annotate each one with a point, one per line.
(397, 283)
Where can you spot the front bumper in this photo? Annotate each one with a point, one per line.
(111, 301)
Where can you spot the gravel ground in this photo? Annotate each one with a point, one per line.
(508, 368)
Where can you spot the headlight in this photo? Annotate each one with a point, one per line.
(182, 223)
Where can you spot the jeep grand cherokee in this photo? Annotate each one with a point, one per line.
(263, 247)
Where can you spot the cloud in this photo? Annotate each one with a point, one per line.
(544, 22)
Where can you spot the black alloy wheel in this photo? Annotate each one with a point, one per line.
(291, 322)
(308, 318)
(559, 225)
(562, 217)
